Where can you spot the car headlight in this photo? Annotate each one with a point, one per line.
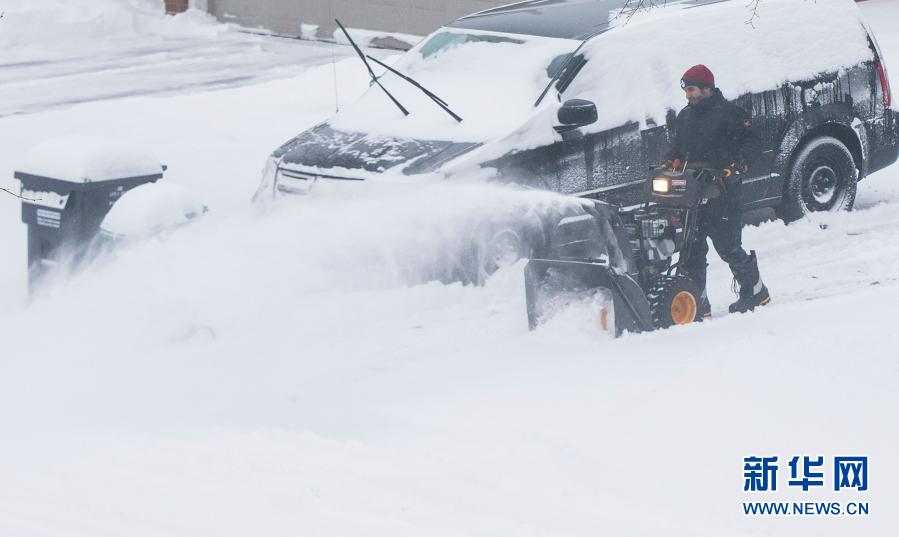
(266, 190)
(661, 185)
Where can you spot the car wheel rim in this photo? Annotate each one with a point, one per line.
(823, 190)
(505, 248)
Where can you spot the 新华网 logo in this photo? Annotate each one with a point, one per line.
(804, 473)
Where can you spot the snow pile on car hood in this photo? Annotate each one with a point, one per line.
(49, 22)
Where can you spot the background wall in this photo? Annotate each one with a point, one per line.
(419, 17)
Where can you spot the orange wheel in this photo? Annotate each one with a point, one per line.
(673, 300)
(604, 319)
(683, 308)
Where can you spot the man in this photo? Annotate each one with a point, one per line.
(712, 130)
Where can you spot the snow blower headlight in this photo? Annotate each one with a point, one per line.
(661, 185)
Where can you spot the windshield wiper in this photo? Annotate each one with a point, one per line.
(440, 102)
(374, 79)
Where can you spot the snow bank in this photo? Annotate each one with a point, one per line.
(86, 158)
(47, 23)
(634, 70)
(151, 209)
(259, 362)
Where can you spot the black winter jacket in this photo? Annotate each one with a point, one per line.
(715, 131)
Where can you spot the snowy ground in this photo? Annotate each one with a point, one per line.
(62, 62)
(119, 68)
(278, 374)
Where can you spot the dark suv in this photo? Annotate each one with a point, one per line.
(579, 97)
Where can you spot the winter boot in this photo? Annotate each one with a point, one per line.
(753, 292)
(751, 297)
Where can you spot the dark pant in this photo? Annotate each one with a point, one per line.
(723, 223)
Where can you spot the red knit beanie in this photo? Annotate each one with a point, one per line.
(699, 76)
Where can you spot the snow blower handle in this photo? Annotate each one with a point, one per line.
(678, 165)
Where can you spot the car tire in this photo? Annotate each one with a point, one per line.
(499, 244)
(824, 178)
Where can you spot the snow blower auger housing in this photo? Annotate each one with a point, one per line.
(621, 261)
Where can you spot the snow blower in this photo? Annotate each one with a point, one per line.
(621, 261)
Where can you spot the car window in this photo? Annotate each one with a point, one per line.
(570, 72)
(447, 40)
(557, 63)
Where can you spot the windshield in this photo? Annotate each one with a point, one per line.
(447, 40)
(489, 79)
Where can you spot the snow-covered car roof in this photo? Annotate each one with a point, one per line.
(564, 19)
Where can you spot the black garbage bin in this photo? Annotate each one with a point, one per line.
(64, 217)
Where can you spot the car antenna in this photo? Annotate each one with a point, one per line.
(333, 61)
(374, 79)
(440, 102)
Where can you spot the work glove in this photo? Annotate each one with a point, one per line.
(733, 172)
(672, 165)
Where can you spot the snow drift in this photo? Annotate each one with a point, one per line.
(47, 23)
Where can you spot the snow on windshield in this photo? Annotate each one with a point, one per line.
(490, 79)
(634, 70)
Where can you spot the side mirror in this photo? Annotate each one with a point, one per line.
(576, 113)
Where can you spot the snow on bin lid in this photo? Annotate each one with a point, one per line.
(86, 158)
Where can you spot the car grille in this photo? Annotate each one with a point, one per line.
(294, 182)
(291, 182)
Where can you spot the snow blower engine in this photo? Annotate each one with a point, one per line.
(618, 264)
